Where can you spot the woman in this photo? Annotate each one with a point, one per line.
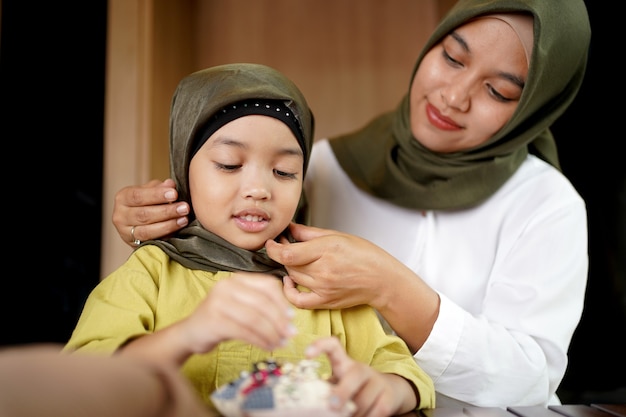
(456, 223)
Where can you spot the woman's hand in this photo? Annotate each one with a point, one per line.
(150, 209)
(341, 270)
(374, 393)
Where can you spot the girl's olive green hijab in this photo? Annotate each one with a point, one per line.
(198, 97)
(201, 94)
(386, 161)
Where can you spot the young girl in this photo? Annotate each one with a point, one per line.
(207, 298)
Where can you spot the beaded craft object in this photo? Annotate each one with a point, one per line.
(272, 390)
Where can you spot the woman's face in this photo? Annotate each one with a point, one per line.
(468, 86)
(246, 179)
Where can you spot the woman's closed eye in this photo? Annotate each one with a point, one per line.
(495, 94)
(448, 58)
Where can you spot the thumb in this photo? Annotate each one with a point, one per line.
(303, 233)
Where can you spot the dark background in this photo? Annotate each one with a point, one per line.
(52, 79)
(52, 83)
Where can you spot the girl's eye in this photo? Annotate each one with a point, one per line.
(225, 167)
(284, 174)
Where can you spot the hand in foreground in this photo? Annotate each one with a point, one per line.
(374, 393)
(341, 270)
(150, 208)
(249, 307)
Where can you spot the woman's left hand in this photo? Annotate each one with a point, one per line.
(341, 270)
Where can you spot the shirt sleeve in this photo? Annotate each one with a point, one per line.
(120, 308)
(513, 350)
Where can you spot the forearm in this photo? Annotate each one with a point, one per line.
(406, 394)
(38, 380)
(403, 294)
(164, 346)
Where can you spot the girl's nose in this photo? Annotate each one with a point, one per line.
(256, 186)
(257, 193)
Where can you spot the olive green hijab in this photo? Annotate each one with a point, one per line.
(386, 161)
(197, 98)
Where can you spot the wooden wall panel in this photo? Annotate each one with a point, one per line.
(126, 139)
(352, 60)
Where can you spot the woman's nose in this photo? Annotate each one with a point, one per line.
(456, 95)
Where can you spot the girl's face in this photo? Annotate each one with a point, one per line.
(246, 179)
(468, 86)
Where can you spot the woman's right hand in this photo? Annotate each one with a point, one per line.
(151, 209)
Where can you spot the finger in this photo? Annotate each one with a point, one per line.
(289, 285)
(221, 318)
(266, 287)
(293, 254)
(153, 192)
(147, 204)
(261, 309)
(157, 230)
(337, 355)
(300, 299)
(305, 233)
(346, 374)
(247, 323)
(168, 183)
(150, 222)
(160, 213)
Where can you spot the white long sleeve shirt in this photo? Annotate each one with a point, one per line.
(511, 274)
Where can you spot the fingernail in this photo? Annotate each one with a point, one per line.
(170, 195)
(310, 351)
(334, 401)
(182, 210)
(291, 313)
(292, 329)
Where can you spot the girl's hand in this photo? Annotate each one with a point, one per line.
(374, 393)
(247, 306)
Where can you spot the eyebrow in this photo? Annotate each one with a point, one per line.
(513, 78)
(461, 41)
(519, 81)
(225, 140)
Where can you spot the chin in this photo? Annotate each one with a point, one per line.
(249, 244)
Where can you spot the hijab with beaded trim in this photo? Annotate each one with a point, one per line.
(386, 161)
(197, 99)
